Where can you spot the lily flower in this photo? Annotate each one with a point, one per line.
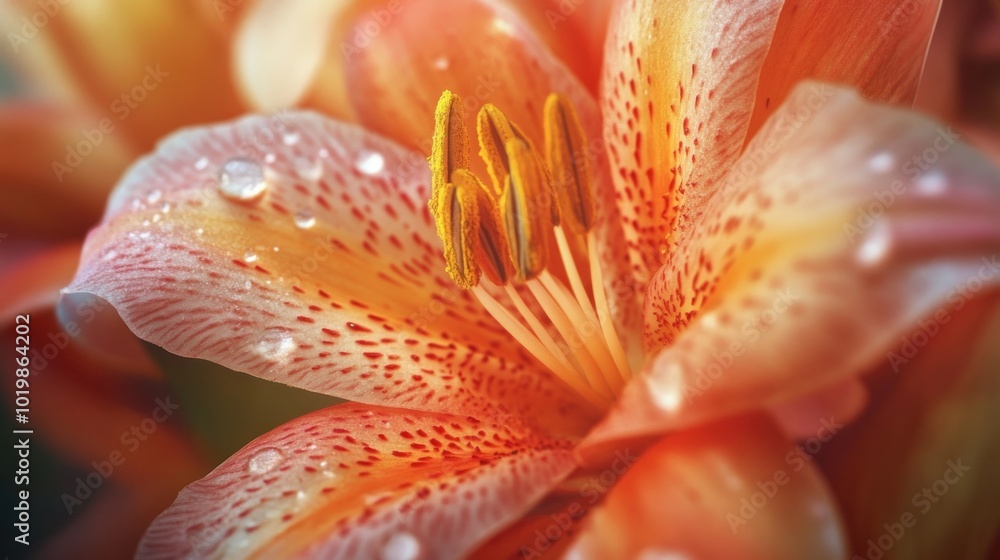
(637, 332)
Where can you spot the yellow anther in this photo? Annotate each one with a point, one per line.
(524, 206)
(492, 249)
(450, 146)
(457, 219)
(567, 159)
(495, 130)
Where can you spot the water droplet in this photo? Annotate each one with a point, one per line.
(165, 207)
(199, 231)
(154, 196)
(250, 256)
(110, 255)
(201, 164)
(276, 343)
(710, 320)
(882, 162)
(247, 285)
(401, 546)
(265, 460)
(441, 63)
(370, 162)
(270, 158)
(242, 179)
(291, 138)
(276, 248)
(667, 388)
(876, 245)
(304, 219)
(324, 153)
(309, 170)
(157, 217)
(932, 184)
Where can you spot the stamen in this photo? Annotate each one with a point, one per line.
(457, 219)
(450, 146)
(564, 325)
(604, 310)
(533, 346)
(567, 158)
(492, 250)
(495, 131)
(503, 232)
(527, 227)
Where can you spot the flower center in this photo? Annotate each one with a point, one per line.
(503, 231)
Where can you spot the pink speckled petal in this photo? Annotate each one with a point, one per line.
(353, 481)
(826, 244)
(678, 90)
(331, 280)
(735, 489)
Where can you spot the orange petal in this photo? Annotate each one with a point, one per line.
(916, 476)
(126, 60)
(826, 244)
(678, 90)
(876, 47)
(362, 482)
(57, 170)
(330, 279)
(736, 489)
(482, 51)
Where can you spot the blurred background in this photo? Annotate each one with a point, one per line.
(87, 86)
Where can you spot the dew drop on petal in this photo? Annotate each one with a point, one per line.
(276, 343)
(270, 158)
(154, 196)
(667, 388)
(882, 162)
(876, 244)
(201, 164)
(200, 231)
(441, 63)
(242, 179)
(932, 184)
(290, 139)
(401, 546)
(304, 219)
(264, 460)
(369, 162)
(309, 170)
(250, 256)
